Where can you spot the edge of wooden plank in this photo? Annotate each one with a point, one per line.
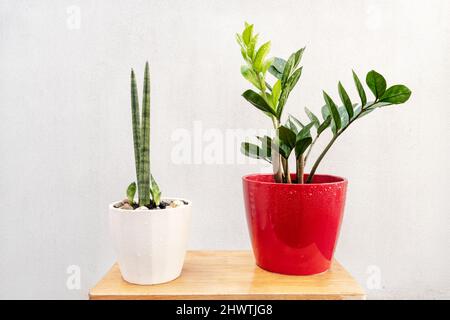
(357, 294)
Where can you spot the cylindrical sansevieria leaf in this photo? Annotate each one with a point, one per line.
(136, 128)
(144, 167)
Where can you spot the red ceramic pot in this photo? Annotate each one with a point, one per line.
(294, 227)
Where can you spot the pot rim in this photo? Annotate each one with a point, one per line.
(248, 178)
(162, 211)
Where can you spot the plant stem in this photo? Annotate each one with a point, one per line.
(300, 169)
(276, 157)
(319, 159)
(309, 149)
(287, 176)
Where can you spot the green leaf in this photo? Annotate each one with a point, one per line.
(251, 47)
(258, 101)
(281, 102)
(261, 55)
(344, 116)
(325, 114)
(276, 92)
(345, 100)
(305, 132)
(251, 76)
(396, 94)
(266, 65)
(287, 136)
(333, 111)
(287, 70)
(252, 151)
(277, 67)
(131, 191)
(290, 124)
(279, 64)
(312, 117)
(286, 90)
(155, 192)
(324, 125)
(282, 148)
(361, 92)
(303, 140)
(296, 121)
(247, 34)
(244, 54)
(292, 81)
(301, 146)
(376, 83)
(298, 57)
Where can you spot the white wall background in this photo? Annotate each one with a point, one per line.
(66, 148)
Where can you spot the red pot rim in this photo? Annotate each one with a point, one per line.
(254, 178)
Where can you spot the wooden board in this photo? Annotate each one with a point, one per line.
(232, 275)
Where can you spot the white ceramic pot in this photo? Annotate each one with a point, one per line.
(150, 244)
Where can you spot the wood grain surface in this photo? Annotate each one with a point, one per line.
(232, 275)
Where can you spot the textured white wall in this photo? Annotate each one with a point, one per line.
(65, 137)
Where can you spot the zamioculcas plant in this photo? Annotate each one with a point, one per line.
(270, 99)
(294, 136)
(147, 188)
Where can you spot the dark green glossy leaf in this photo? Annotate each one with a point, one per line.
(286, 90)
(292, 81)
(287, 70)
(282, 101)
(258, 101)
(324, 125)
(282, 148)
(298, 57)
(359, 87)
(305, 132)
(396, 94)
(301, 146)
(333, 111)
(312, 117)
(303, 140)
(287, 136)
(345, 100)
(376, 83)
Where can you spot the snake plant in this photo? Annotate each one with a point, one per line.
(147, 188)
(294, 135)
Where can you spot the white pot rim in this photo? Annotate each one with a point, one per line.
(161, 211)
